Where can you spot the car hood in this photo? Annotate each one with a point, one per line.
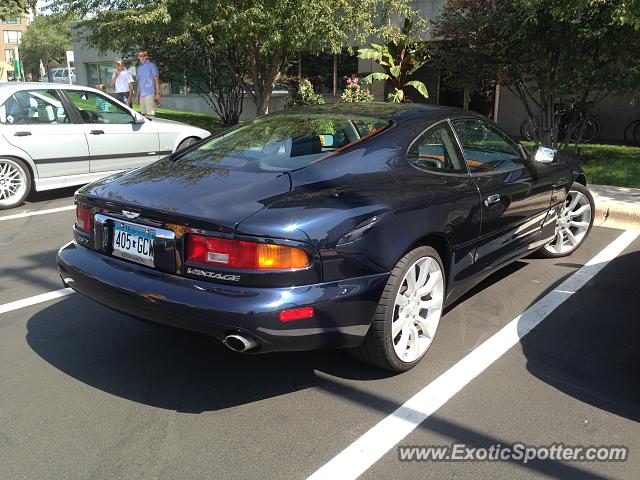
(188, 194)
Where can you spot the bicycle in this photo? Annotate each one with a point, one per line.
(632, 133)
(572, 118)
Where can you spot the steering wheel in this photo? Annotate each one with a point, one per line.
(90, 117)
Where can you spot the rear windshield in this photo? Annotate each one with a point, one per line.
(283, 142)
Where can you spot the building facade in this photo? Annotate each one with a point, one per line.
(10, 38)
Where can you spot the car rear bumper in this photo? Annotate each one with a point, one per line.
(343, 309)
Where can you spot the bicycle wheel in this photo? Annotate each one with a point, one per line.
(629, 133)
(583, 130)
(596, 122)
(636, 134)
(529, 128)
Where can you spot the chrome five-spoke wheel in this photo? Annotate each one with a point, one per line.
(573, 224)
(15, 182)
(408, 314)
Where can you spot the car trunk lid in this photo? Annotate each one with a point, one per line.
(187, 194)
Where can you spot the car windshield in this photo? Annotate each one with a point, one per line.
(283, 142)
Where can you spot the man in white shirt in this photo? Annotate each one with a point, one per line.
(122, 80)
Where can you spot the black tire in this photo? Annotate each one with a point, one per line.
(10, 170)
(635, 135)
(590, 129)
(377, 348)
(544, 252)
(628, 132)
(187, 142)
(630, 137)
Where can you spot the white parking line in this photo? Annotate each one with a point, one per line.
(26, 302)
(39, 212)
(370, 447)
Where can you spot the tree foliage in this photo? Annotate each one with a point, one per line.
(261, 33)
(543, 50)
(47, 38)
(15, 8)
(400, 57)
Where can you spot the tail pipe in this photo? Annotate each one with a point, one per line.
(240, 343)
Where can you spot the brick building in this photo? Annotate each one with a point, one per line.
(12, 31)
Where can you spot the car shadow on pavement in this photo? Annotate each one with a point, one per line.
(170, 368)
(174, 369)
(588, 346)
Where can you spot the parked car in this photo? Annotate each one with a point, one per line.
(61, 75)
(54, 136)
(349, 225)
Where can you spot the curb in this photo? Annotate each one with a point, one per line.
(611, 213)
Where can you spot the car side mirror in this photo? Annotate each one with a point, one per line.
(138, 119)
(326, 140)
(544, 154)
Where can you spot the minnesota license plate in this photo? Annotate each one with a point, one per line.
(133, 242)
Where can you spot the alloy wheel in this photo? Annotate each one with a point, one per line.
(417, 309)
(13, 182)
(572, 225)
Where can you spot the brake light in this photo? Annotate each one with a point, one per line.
(83, 219)
(238, 254)
(296, 314)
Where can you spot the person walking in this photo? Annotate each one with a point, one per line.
(122, 80)
(148, 93)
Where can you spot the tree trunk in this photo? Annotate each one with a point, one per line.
(262, 102)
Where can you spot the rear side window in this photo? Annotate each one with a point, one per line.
(486, 148)
(33, 107)
(436, 150)
(283, 142)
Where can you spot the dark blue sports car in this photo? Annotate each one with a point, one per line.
(330, 226)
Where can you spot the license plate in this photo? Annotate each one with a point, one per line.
(133, 242)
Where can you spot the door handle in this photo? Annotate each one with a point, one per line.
(495, 198)
(22, 134)
(97, 132)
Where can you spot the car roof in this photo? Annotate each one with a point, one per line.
(40, 86)
(7, 89)
(387, 111)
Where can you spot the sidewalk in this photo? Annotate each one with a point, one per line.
(617, 207)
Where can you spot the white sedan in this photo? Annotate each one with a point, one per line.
(54, 136)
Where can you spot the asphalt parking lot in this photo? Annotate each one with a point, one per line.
(86, 392)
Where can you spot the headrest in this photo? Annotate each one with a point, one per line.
(46, 114)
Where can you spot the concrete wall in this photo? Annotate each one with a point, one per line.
(614, 113)
(83, 54)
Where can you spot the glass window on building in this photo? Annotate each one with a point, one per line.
(101, 72)
(319, 69)
(11, 21)
(8, 55)
(12, 36)
(92, 74)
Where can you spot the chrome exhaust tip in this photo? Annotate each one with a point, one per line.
(240, 343)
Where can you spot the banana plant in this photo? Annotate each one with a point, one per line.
(400, 59)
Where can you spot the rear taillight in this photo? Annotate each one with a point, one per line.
(83, 219)
(237, 254)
